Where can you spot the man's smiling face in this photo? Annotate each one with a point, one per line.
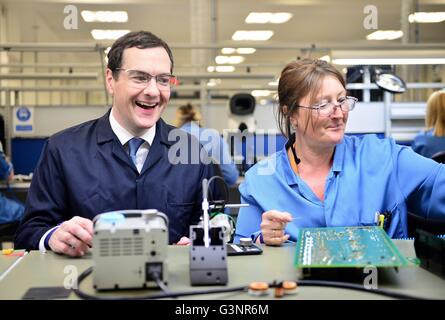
(138, 109)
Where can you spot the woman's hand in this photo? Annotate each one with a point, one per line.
(272, 227)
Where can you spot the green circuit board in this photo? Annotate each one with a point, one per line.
(346, 247)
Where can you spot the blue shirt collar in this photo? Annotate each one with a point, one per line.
(339, 156)
(291, 177)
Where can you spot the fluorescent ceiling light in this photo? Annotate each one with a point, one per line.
(326, 58)
(99, 34)
(268, 17)
(225, 68)
(274, 83)
(245, 50)
(213, 82)
(220, 68)
(104, 16)
(261, 93)
(426, 17)
(239, 50)
(253, 35)
(385, 35)
(228, 50)
(281, 17)
(388, 61)
(229, 59)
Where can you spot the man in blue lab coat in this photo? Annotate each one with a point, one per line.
(123, 160)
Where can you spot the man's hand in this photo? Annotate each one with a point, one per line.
(184, 241)
(272, 227)
(73, 237)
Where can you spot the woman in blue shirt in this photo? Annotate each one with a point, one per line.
(322, 178)
(432, 140)
(188, 118)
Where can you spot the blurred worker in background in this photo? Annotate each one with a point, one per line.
(10, 210)
(188, 118)
(431, 141)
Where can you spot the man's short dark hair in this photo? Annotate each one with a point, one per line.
(138, 39)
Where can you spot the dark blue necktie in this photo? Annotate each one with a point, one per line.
(133, 146)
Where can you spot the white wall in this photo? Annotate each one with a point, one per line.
(367, 118)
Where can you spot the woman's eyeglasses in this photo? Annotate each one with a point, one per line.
(325, 109)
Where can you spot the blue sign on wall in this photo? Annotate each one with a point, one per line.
(23, 120)
(23, 114)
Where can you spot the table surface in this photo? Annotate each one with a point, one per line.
(7, 261)
(276, 263)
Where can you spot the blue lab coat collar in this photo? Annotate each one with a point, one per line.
(105, 133)
(291, 178)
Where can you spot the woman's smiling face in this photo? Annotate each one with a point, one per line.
(318, 129)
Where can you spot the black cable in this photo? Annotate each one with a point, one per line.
(294, 153)
(160, 283)
(302, 283)
(87, 296)
(351, 286)
(226, 188)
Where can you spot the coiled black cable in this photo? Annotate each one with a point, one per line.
(302, 283)
(155, 276)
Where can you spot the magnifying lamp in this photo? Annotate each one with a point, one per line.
(389, 82)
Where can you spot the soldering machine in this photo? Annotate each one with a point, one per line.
(130, 249)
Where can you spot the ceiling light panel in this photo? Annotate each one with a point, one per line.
(385, 35)
(220, 69)
(104, 16)
(426, 17)
(228, 50)
(229, 59)
(268, 17)
(238, 50)
(99, 34)
(245, 50)
(252, 35)
(261, 93)
(326, 58)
